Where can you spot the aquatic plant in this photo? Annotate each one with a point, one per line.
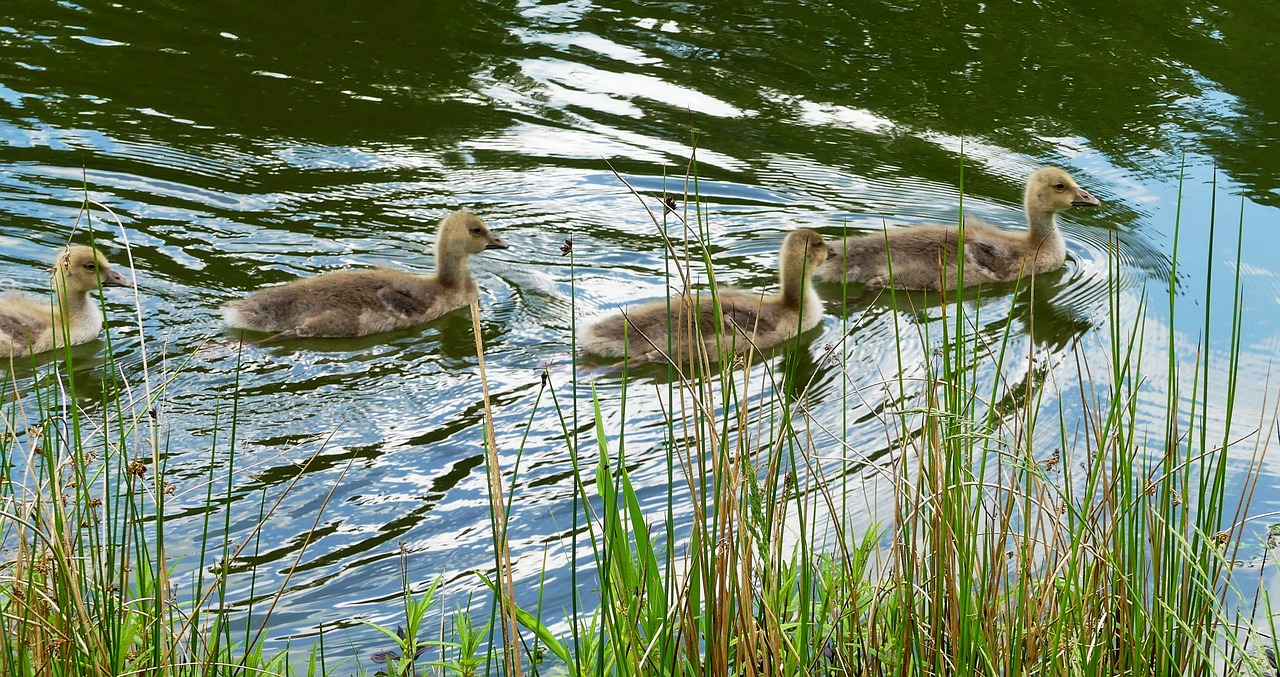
(1017, 545)
(86, 580)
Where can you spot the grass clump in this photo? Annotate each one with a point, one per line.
(1020, 542)
(86, 586)
(1017, 539)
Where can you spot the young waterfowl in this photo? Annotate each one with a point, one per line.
(363, 302)
(925, 257)
(750, 319)
(29, 324)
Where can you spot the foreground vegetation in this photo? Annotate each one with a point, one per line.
(1016, 544)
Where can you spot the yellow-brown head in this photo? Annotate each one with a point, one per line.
(466, 232)
(80, 269)
(803, 250)
(1052, 190)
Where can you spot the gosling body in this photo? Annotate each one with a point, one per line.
(31, 325)
(362, 302)
(929, 257)
(684, 329)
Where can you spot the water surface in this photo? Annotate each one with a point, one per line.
(245, 144)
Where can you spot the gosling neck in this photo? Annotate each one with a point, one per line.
(451, 266)
(797, 285)
(70, 303)
(1043, 234)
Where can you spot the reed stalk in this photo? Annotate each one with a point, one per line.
(498, 514)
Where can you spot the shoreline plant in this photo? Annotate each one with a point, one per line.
(1018, 542)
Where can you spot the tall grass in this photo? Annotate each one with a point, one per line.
(1019, 541)
(85, 581)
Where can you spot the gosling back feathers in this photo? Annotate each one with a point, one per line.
(928, 256)
(362, 302)
(684, 329)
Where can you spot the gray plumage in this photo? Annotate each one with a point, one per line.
(928, 256)
(362, 302)
(749, 318)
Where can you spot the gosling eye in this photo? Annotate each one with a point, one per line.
(90, 266)
(1061, 186)
(477, 231)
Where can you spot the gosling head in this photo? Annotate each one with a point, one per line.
(466, 232)
(1051, 189)
(804, 249)
(79, 269)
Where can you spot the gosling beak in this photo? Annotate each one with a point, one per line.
(831, 252)
(496, 242)
(113, 278)
(1084, 199)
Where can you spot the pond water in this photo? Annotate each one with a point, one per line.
(243, 144)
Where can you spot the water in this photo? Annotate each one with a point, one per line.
(244, 146)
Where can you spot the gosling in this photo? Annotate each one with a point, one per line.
(686, 331)
(32, 325)
(926, 257)
(362, 302)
